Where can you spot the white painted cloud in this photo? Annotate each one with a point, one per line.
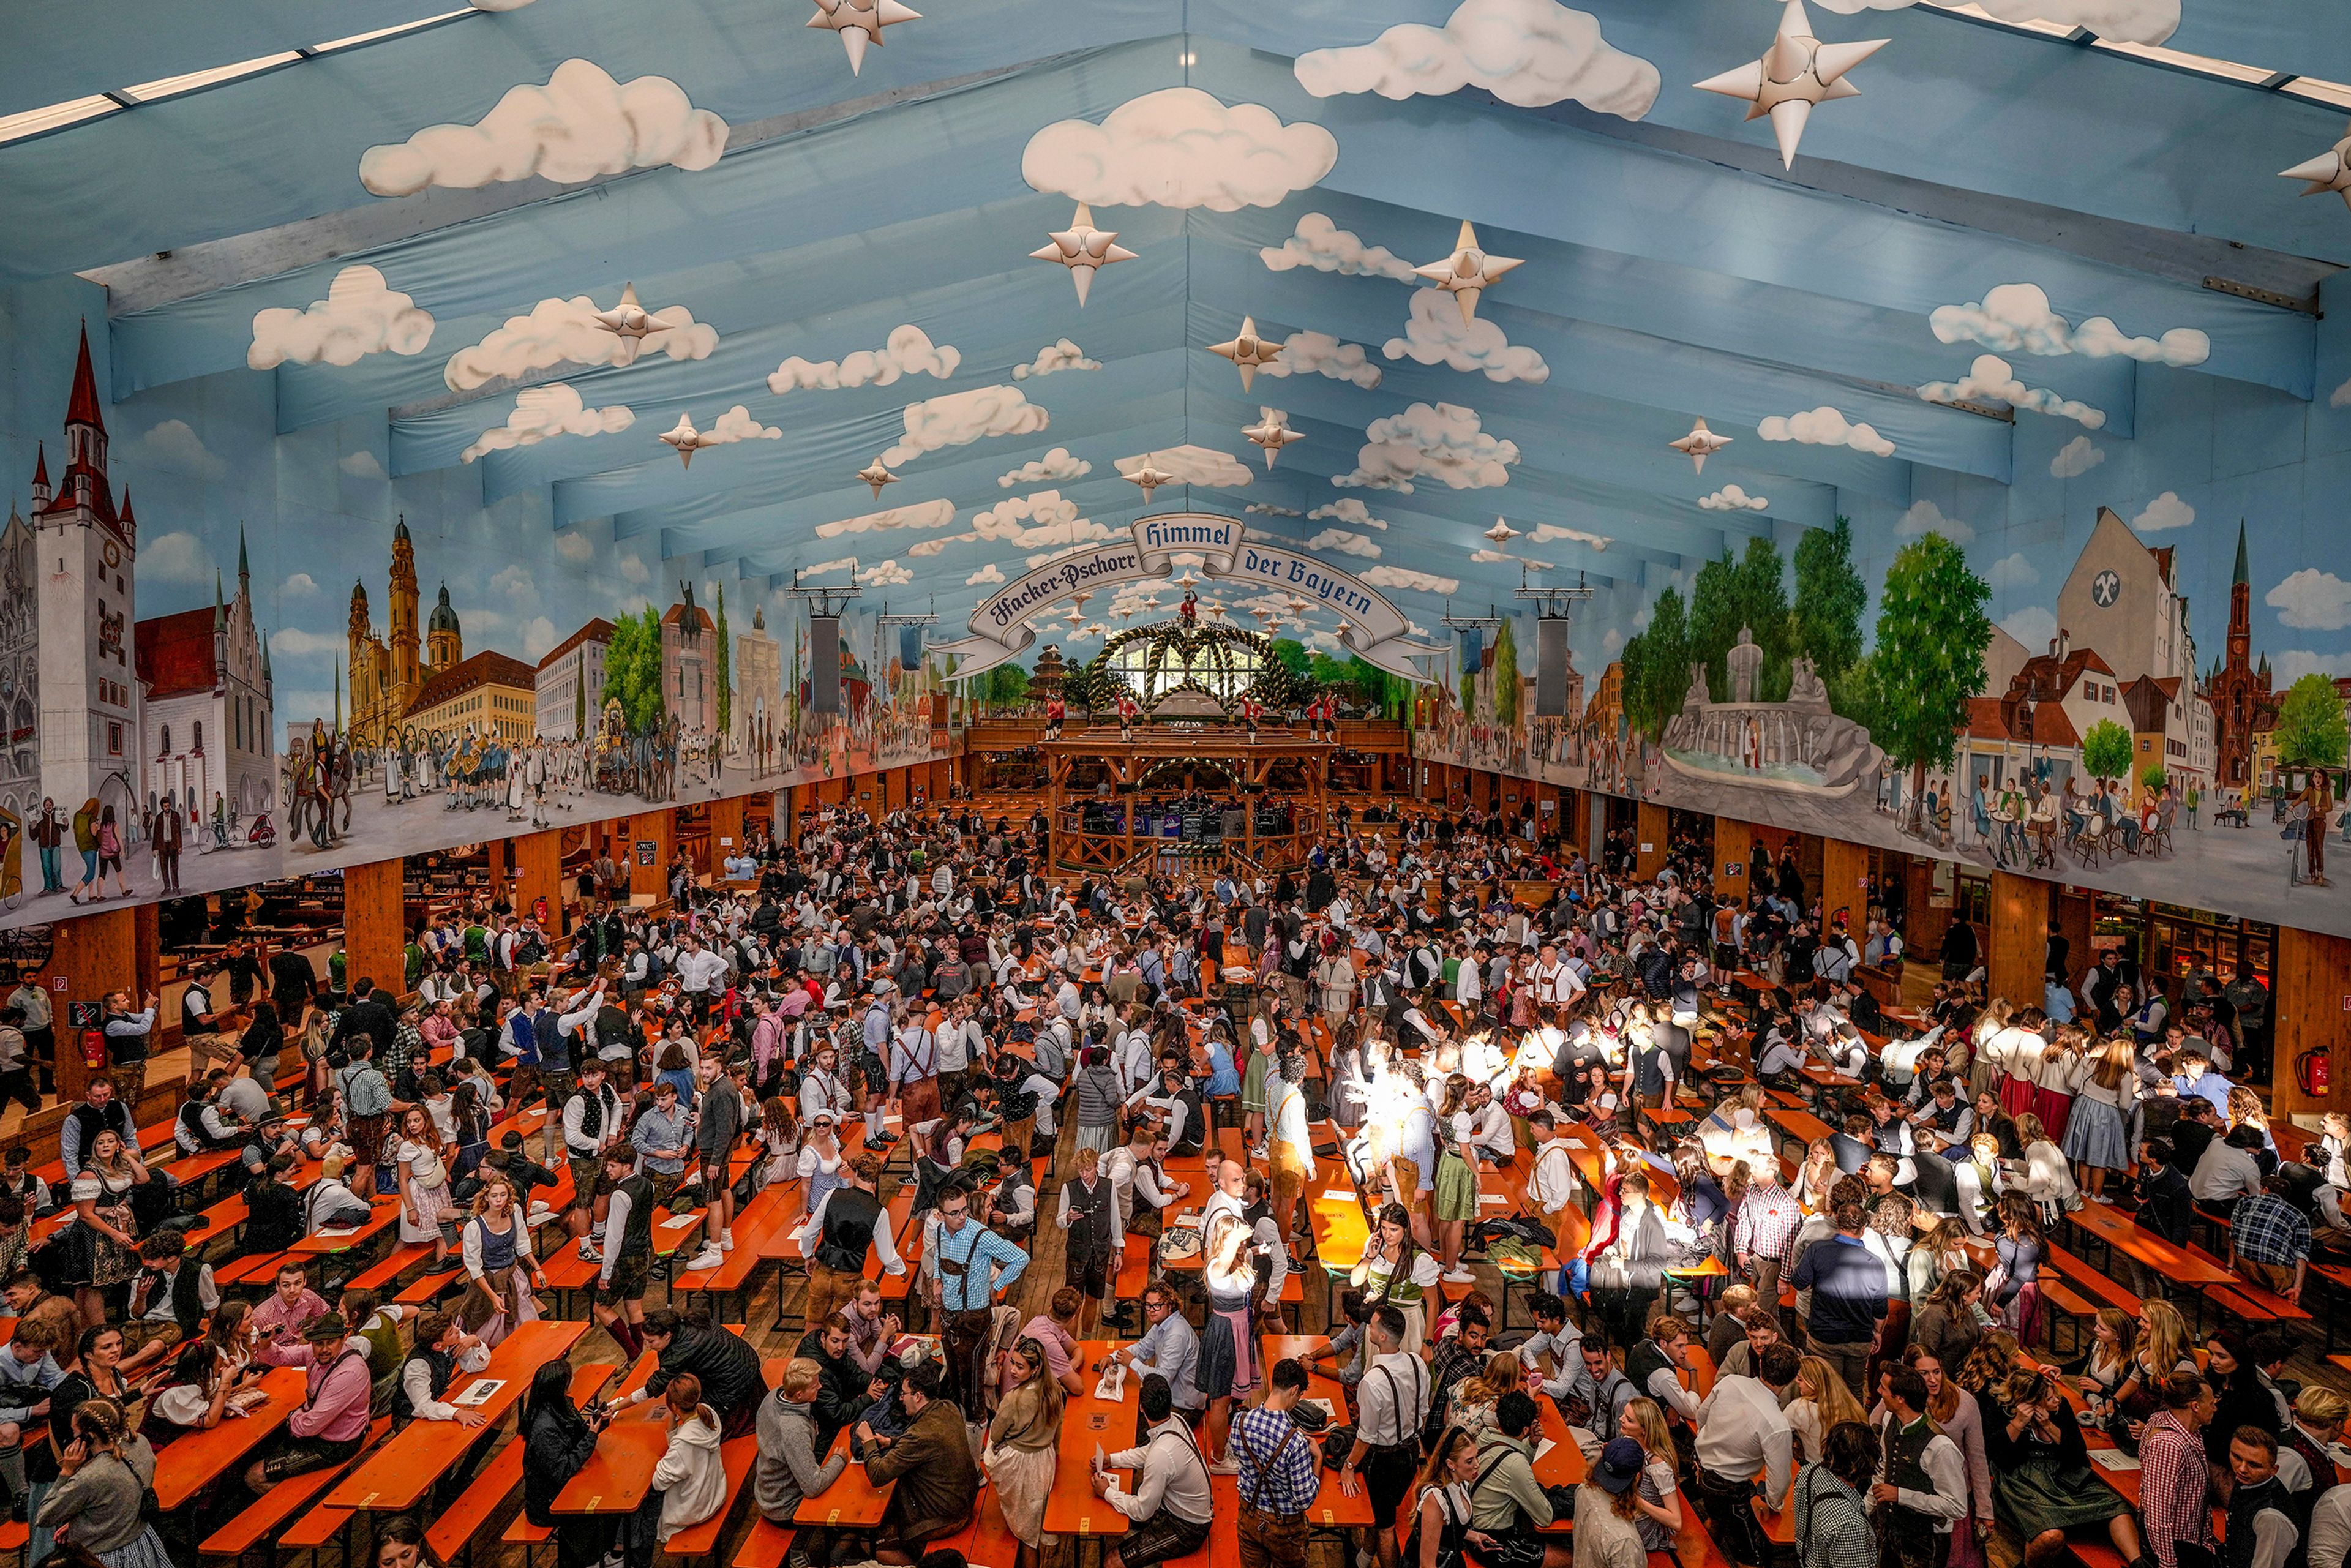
(361, 465)
(2125, 21)
(984, 576)
(1180, 147)
(2165, 511)
(512, 581)
(2033, 626)
(2010, 572)
(1326, 246)
(846, 563)
(1063, 355)
(1489, 557)
(1267, 509)
(1825, 426)
(360, 315)
(961, 418)
(2311, 601)
(565, 331)
(1345, 543)
(2341, 397)
(736, 424)
(2016, 317)
(177, 557)
(1436, 335)
(2076, 458)
(1731, 498)
(175, 445)
(1551, 533)
(1992, 377)
(633, 570)
(939, 513)
(1926, 517)
(2291, 664)
(885, 574)
(1442, 442)
(1350, 510)
(541, 412)
(1055, 464)
(1324, 355)
(1612, 643)
(582, 124)
(1528, 53)
(575, 546)
(1400, 577)
(1191, 465)
(1010, 520)
(301, 585)
(906, 351)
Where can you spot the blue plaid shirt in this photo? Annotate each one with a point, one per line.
(2268, 1230)
(1275, 1478)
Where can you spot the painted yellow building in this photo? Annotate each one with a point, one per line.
(494, 695)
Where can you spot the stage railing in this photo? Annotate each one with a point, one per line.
(1077, 847)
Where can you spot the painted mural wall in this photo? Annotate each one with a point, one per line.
(2128, 668)
(263, 647)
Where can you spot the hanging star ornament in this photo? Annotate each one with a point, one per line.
(1149, 478)
(1699, 445)
(1248, 353)
(2330, 170)
(1083, 249)
(630, 322)
(860, 23)
(1271, 432)
(685, 439)
(1468, 272)
(1501, 533)
(875, 474)
(1797, 71)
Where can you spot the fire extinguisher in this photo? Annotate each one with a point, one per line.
(93, 1049)
(2310, 1066)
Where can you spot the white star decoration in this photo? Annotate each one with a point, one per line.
(631, 323)
(1699, 445)
(873, 474)
(1083, 249)
(1468, 272)
(1796, 72)
(685, 439)
(2330, 170)
(1149, 478)
(1271, 432)
(1246, 351)
(860, 23)
(1501, 533)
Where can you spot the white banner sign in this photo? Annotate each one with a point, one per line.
(1000, 625)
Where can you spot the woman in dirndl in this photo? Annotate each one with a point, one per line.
(1229, 1366)
(105, 1233)
(102, 1475)
(501, 1269)
(1024, 1438)
(426, 1213)
(1394, 1273)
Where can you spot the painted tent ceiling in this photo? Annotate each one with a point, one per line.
(2016, 225)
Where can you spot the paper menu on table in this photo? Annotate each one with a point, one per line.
(481, 1392)
(1545, 1446)
(1334, 1195)
(680, 1221)
(2112, 1460)
(338, 1230)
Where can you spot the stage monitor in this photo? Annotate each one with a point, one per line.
(1551, 667)
(824, 663)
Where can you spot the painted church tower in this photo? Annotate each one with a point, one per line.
(89, 694)
(406, 679)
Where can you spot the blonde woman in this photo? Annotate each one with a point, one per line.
(689, 1478)
(501, 1269)
(102, 1476)
(1471, 1403)
(1992, 1043)
(105, 1235)
(426, 1213)
(2165, 1346)
(2056, 1076)
(1821, 1401)
(1660, 1519)
(1023, 1439)
(2098, 1134)
(2114, 1346)
(2046, 1181)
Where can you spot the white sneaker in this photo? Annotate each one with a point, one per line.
(1228, 1466)
(588, 1253)
(708, 1258)
(727, 1242)
(1459, 1277)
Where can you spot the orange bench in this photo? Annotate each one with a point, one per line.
(452, 1535)
(768, 1545)
(699, 1540)
(256, 1526)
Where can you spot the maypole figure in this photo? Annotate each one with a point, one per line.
(1127, 710)
(1189, 610)
(1251, 711)
(1056, 713)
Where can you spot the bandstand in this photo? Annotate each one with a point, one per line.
(1193, 785)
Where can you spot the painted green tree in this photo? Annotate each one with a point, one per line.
(1293, 656)
(2154, 778)
(2311, 732)
(1505, 676)
(1829, 601)
(1931, 635)
(1007, 685)
(723, 665)
(632, 667)
(1657, 667)
(2106, 751)
(579, 703)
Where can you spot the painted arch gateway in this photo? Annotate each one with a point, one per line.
(635, 309)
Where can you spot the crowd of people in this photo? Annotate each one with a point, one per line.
(926, 987)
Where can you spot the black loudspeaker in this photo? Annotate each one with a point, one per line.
(1551, 667)
(824, 663)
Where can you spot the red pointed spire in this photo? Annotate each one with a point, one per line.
(129, 523)
(82, 409)
(41, 467)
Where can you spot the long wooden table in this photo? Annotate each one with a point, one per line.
(1088, 1422)
(2119, 1230)
(192, 1462)
(851, 1502)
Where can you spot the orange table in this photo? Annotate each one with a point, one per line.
(193, 1462)
(1088, 1423)
(2116, 1229)
(851, 1502)
(385, 1212)
(400, 1473)
(1332, 1509)
(618, 1477)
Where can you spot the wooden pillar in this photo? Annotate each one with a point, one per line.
(89, 956)
(1844, 885)
(374, 926)
(147, 949)
(658, 829)
(2019, 943)
(725, 830)
(2308, 985)
(538, 874)
(2071, 914)
(1649, 846)
(1734, 845)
